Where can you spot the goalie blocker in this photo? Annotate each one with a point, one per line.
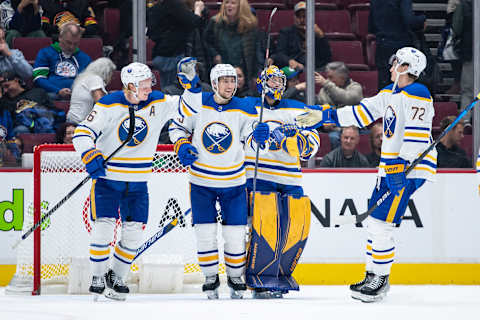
(280, 228)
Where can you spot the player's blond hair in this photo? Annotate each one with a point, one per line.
(246, 20)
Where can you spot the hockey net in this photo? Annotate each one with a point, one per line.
(55, 257)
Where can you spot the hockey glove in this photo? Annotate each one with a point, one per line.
(186, 73)
(395, 175)
(289, 130)
(94, 163)
(315, 118)
(187, 154)
(261, 133)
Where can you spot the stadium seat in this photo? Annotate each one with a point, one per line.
(325, 146)
(371, 48)
(280, 4)
(467, 145)
(350, 52)
(213, 3)
(360, 24)
(364, 144)
(369, 81)
(30, 140)
(62, 105)
(31, 46)
(442, 110)
(336, 24)
(92, 46)
(111, 25)
(282, 19)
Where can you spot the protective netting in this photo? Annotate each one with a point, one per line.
(65, 235)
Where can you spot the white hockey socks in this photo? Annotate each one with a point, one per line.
(383, 246)
(126, 248)
(234, 250)
(102, 235)
(207, 248)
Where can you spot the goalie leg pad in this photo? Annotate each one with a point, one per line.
(102, 235)
(295, 226)
(383, 246)
(207, 248)
(235, 255)
(125, 250)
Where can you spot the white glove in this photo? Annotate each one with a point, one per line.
(186, 68)
(309, 118)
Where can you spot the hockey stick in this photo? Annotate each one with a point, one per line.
(340, 220)
(178, 218)
(257, 152)
(131, 130)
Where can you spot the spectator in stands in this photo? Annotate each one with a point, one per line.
(393, 24)
(58, 13)
(89, 87)
(170, 25)
(57, 65)
(376, 136)
(295, 89)
(243, 89)
(9, 151)
(462, 25)
(291, 47)
(338, 88)
(346, 156)
(21, 18)
(65, 132)
(450, 155)
(230, 37)
(13, 59)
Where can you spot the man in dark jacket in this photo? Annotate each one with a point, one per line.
(450, 155)
(346, 156)
(291, 47)
(392, 22)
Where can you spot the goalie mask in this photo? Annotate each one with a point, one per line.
(134, 73)
(273, 81)
(415, 59)
(219, 71)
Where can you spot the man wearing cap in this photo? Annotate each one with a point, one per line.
(295, 89)
(291, 48)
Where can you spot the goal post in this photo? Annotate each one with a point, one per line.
(45, 260)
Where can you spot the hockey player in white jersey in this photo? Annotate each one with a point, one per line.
(121, 183)
(407, 111)
(280, 192)
(220, 125)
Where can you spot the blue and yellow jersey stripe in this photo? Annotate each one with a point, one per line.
(416, 135)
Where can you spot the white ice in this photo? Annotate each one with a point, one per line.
(427, 302)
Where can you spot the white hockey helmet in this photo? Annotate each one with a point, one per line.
(222, 70)
(415, 59)
(134, 73)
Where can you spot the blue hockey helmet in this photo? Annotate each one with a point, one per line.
(275, 90)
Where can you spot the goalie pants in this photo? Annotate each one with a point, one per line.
(381, 225)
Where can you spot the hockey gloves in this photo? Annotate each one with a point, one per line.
(320, 116)
(187, 154)
(186, 73)
(261, 133)
(395, 175)
(94, 163)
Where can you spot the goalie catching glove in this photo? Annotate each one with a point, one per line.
(187, 154)
(186, 73)
(315, 118)
(395, 174)
(94, 163)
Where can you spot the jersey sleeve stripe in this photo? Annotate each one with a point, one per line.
(418, 128)
(417, 135)
(356, 117)
(368, 112)
(88, 128)
(413, 140)
(192, 110)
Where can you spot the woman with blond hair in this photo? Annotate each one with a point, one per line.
(89, 87)
(230, 36)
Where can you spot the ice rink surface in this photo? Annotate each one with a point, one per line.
(312, 302)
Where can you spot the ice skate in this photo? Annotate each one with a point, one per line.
(261, 293)
(356, 287)
(237, 287)
(210, 287)
(116, 288)
(97, 287)
(376, 289)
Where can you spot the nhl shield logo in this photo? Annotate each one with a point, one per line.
(141, 130)
(390, 120)
(217, 137)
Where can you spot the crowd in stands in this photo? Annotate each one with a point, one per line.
(54, 90)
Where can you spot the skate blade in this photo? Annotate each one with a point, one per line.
(212, 294)
(262, 295)
(234, 294)
(369, 299)
(277, 295)
(112, 294)
(96, 296)
(356, 295)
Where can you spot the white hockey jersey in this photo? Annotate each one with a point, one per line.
(219, 135)
(277, 165)
(407, 124)
(106, 127)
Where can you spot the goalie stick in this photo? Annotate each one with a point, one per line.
(340, 220)
(129, 137)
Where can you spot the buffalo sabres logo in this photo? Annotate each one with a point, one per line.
(389, 122)
(141, 130)
(217, 137)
